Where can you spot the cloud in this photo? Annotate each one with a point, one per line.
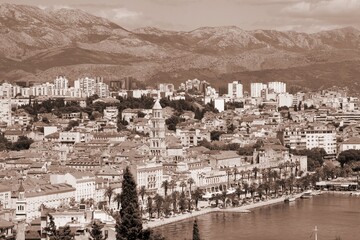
(324, 9)
(120, 14)
(54, 7)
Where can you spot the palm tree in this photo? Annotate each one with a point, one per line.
(281, 166)
(235, 172)
(252, 189)
(109, 191)
(297, 165)
(159, 200)
(172, 185)
(150, 207)
(238, 192)
(255, 170)
(223, 198)
(228, 172)
(165, 185)
(248, 172)
(142, 193)
(183, 185)
(174, 198)
(246, 187)
(267, 187)
(197, 196)
(190, 181)
(117, 199)
(264, 175)
(242, 173)
(277, 185)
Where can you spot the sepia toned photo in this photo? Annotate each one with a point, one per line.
(179, 119)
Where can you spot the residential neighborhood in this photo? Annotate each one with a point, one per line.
(64, 148)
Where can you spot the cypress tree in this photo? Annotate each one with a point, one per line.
(129, 226)
(196, 233)
(96, 232)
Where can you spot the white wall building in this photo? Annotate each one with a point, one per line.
(219, 104)
(256, 89)
(278, 87)
(285, 99)
(5, 111)
(235, 90)
(83, 182)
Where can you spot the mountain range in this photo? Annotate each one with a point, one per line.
(38, 44)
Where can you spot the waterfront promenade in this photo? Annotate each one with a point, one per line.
(241, 209)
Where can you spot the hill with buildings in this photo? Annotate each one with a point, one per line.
(38, 44)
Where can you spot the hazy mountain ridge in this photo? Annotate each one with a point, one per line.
(35, 43)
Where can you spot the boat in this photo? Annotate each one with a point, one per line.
(357, 194)
(306, 195)
(290, 199)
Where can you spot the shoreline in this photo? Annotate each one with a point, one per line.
(241, 209)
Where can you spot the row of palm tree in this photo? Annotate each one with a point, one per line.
(174, 203)
(172, 185)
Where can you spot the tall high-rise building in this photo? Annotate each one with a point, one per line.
(90, 86)
(256, 89)
(5, 111)
(235, 90)
(278, 87)
(61, 86)
(157, 133)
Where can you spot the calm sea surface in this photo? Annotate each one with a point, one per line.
(335, 215)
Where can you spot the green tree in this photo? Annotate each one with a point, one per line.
(109, 191)
(96, 232)
(150, 207)
(182, 185)
(117, 199)
(182, 202)
(165, 185)
(190, 181)
(197, 196)
(129, 226)
(159, 200)
(174, 198)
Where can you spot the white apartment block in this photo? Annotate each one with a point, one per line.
(314, 137)
(235, 90)
(5, 111)
(278, 87)
(350, 144)
(5, 196)
(192, 137)
(83, 182)
(285, 100)
(50, 195)
(86, 87)
(166, 87)
(325, 139)
(111, 114)
(219, 104)
(256, 89)
(61, 86)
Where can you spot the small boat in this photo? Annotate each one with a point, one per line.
(290, 199)
(357, 194)
(306, 195)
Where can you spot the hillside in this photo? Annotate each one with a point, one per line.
(36, 45)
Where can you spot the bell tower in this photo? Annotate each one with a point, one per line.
(157, 133)
(21, 202)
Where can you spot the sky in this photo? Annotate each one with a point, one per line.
(186, 15)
